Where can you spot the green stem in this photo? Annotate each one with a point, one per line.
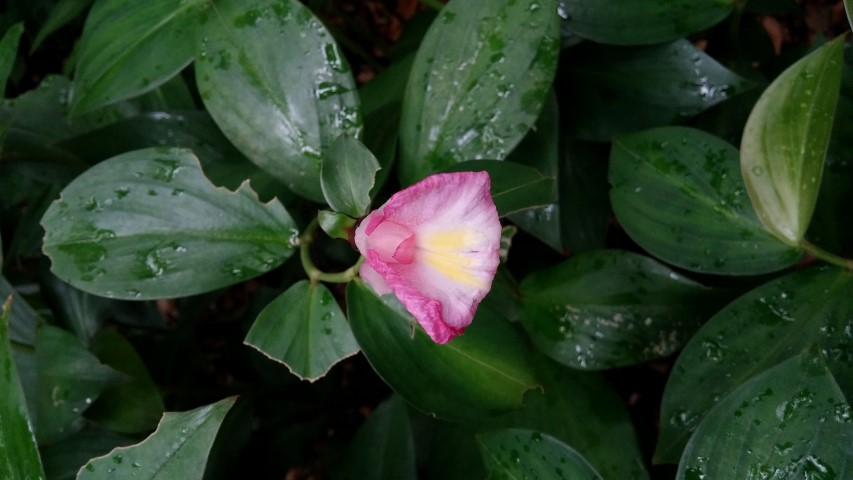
(434, 4)
(314, 273)
(828, 257)
(21, 347)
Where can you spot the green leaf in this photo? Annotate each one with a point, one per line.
(63, 12)
(754, 333)
(514, 187)
(642, 22)
(584, 205)
(480, 77)
(347, 176)
(678, 193)
(133, 407)
(130, 47)
(69, 380)
(481, 373)
(223, 164)
(383, 448)
(179, 448)
(8, 52)
(836, 196)
(785, 141)
(63, 459)
(83, 313)
(38, 120)
(848, 8)
(791, 421)
(613, 90)
(148, 224)
(578, 408)
(610, 308)
(540, 149)
(336, 225)
(23, 319)
(519, 453)
(387, 87)
(275, 81)
(20, 457)
(304, 329)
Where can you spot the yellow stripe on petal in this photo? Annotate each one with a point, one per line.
(445, 251)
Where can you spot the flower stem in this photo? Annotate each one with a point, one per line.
(314, 273)
(828, 257)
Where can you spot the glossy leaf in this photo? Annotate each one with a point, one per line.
(642, 22)
(134, 406)
(8, 52)
(63, 459)
(383, 448)
(275, 81)
(514, 187)
(791, 421)
(540, 149)
(69, 380)
(481, 373)
(610, 308)
(304, 329)
(678, 193)
(578, 408)
(20, 457)
(63, 12)
(177, 449)
(347, 176)
(479, 79)
(613, 90)
(148, 224)
(836, 196)
(223, 164)
(129, 48)
(791, 313)
(518, 453)
(785, 141)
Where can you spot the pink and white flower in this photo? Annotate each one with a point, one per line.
(435, 245)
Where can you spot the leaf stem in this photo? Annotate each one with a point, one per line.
(828, 257)
(315, 274)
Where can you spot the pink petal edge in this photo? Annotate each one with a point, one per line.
(434, 199)
(427, 311)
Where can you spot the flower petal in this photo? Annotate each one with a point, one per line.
(443, 271)
(372, 278)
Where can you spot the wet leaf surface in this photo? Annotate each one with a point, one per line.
(791, 421)
(478, 82)
(785, 141)
(610, 308)
(753, 334)
(148, 224)
(479, 374)
(678, 193)
(251, 56)
(305, 329)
